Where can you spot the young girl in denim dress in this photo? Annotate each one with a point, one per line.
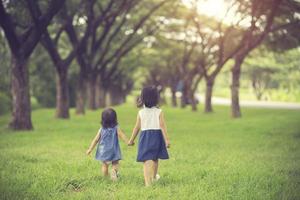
(108, 149)
(153, 140)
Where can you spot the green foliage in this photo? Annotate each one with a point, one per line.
(21, 16)
(5, 103)
(273, 70)
(42, 78)
(72, 82)
(4, 65)
(285, 37)
(159, 53)
(211, 157)
(290, 71)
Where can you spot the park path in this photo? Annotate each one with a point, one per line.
(258, 104)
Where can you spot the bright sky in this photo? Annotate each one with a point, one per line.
(214, 8)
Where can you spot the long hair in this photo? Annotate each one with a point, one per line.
(150, 96)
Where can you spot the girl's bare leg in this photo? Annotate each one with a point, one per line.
(155, 168)
(114, 170)
(148, 172)
(104, 169)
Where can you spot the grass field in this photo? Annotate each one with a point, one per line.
(211, 157)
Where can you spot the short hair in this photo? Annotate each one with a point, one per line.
(109, 118)
(150, 96)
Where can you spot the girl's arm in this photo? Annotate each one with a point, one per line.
(122, 135)
(135, 130)
(94, 142)
(163, 127)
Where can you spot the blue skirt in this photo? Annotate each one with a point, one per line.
(151, 146)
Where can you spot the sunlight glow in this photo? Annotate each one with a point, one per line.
(218, 9)
(212, 8)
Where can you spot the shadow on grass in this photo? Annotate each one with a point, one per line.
(79, 184)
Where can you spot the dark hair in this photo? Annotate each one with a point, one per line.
(149, 96)
(109, 118)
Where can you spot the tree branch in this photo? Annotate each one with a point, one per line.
(135, 29)
(41, 22)
(9, 30)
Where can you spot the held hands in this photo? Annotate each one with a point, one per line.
(130, 142)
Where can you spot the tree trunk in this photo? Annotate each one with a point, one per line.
(259, 96)
(208, 95)
(62, 94)
(80, 94)
(116, 96)
(174, 99)
(21, 114)
(92, 92)
(100, 94)
(193, 101)
(162, 98)
(235, 104)
(103, 99)
(183, 97)
(190, 95)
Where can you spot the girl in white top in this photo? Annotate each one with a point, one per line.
(153, 141)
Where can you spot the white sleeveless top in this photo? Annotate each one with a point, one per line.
(150, 118)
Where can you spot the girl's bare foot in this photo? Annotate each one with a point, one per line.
(114, 175)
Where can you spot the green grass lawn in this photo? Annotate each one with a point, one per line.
(212, 157)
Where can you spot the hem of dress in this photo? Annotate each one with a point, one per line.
(151, 159)
(151, 129)
(108, 160)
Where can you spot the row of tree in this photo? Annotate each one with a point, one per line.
(101, 44)
(268, 72)
(199, 47)
(98, 35)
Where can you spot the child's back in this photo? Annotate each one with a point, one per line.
(153, 138)
(150, 118)
(151, 142)
(108, 148)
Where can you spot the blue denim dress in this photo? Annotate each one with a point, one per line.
(108, 148)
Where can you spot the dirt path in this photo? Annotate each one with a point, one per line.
(258, 104)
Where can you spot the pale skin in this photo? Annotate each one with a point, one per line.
(150, 166)
(105, 165)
